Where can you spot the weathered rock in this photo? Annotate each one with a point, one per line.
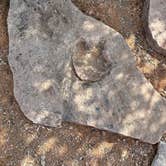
(160, 158)
(1, 110)
(156, 27)
(90, 64)
(70, 67)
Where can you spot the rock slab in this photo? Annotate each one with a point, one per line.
(160, 158)
(70, 67)
(156, 28)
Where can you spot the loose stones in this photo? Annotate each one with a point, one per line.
(70, 67)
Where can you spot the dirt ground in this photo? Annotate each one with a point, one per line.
(23, 143)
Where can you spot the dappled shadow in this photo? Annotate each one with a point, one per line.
(134, 35)
(126, 105)
(113, 103)
(130, 18)
(28, 143)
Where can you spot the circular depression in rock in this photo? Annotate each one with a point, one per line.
(90, 61)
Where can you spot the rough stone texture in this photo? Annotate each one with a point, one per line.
(71, 67)
(160, 158)
(1, 110)
(90, 63)
(156, 24)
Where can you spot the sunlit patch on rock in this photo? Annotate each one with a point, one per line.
(70, 67)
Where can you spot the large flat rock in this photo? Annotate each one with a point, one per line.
(156, 32)
(70, 67)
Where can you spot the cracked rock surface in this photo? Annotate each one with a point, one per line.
(70, 67)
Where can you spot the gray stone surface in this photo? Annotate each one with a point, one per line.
(1, 110)
(157, 25)
(160, 158)
(70, 67)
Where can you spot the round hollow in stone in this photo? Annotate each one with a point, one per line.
(90, 61)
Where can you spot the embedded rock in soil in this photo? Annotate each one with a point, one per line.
(156, 32)
(70, 67)
(160, 158)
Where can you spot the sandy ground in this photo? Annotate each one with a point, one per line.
(23, 143)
